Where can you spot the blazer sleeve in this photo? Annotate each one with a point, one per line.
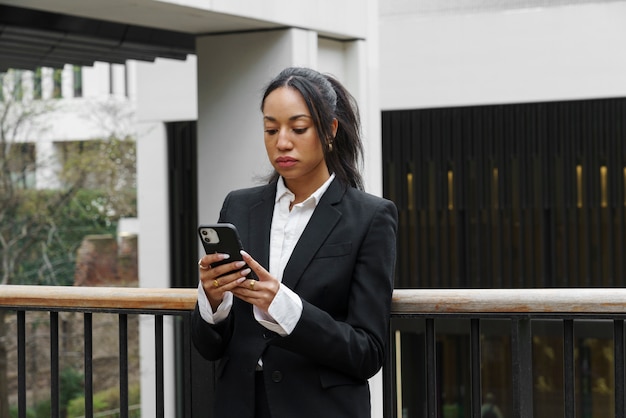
(355, 345)
(210, 340)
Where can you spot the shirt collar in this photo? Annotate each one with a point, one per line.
(283, 192)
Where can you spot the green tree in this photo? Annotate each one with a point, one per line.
(94, 185)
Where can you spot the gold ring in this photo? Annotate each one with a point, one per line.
(252, 284)
(201, 266)
(216, 283)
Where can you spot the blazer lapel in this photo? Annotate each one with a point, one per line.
(260, 216)
(321, 224)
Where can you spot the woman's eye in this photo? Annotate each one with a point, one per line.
(270, 131)
(300, 131)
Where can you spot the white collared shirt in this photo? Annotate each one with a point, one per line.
(287, 227)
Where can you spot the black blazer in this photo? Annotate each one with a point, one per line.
(342, 268)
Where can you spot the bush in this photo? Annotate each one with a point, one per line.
(106, 400)
(71, 387)
(40, 410)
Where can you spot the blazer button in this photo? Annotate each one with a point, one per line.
(277, 376)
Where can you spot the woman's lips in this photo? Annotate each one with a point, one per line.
(285, 162)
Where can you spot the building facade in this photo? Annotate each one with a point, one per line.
(395, 56)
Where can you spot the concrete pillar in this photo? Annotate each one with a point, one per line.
(154, 263)
(232, 73)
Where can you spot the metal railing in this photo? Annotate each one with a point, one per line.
(519, 306)
(90, 301)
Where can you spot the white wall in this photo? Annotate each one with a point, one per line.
(96, 81)
(232, 72)
(541, 54)
(153, 260)
(346, 18)
(165, 90)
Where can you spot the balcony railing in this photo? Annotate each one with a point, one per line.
(420, 311)
(89, 301)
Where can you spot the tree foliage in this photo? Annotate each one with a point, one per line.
(86, 187)
(40, 229)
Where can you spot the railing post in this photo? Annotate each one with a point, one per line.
(431, 369)
(88, 358)
(475, 369)
(123, 347)
(569, 389)
(388, 374)
(618, 336)
(54, 365)
(521, 342)
(158, 356)
(21, 364)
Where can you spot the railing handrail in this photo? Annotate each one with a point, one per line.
(98, 298)
(592, 301)
(405, 301)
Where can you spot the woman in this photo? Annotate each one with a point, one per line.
(303, 339)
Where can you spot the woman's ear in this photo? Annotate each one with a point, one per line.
(334, 126)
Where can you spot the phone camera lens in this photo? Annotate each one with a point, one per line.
(204, 232)
(207, 239)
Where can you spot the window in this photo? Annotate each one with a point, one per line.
(37, 89)
(57, 80)
(22, 162)
(18, 88)
(78, 81)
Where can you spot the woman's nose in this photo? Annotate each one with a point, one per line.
(283, 141)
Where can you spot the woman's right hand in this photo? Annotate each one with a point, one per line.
(220, 279)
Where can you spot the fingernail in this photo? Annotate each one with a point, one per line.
(245, 272)
(241, 280)
(240, 264)
(224, 256)
(245, 254)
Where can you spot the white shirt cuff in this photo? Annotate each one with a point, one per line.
(283, 314)
(206, 312)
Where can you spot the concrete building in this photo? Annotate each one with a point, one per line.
(392, 55)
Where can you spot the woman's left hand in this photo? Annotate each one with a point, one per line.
(259, 293)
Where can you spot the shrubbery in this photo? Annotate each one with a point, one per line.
(72, 400)
(107, 400)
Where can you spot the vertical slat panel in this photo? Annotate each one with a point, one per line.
(546, 204)
(54, 365)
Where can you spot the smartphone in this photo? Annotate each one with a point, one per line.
(221, 238)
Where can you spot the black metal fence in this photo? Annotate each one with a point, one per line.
(423, 379)
(421, 374)
(88, 359)
(124, 303)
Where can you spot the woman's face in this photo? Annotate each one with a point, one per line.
(291, 139)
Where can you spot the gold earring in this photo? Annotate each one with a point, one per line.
(330, 146)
